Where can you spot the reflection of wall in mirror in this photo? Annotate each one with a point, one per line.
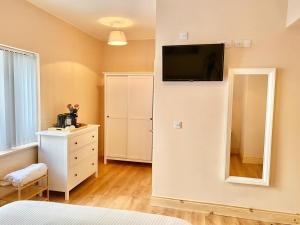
(237, 112)
(248, 117)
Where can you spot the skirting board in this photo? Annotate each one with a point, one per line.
(239, 212)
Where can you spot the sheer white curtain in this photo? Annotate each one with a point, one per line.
(18, 99)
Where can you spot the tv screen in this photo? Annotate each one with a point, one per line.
(193, 62)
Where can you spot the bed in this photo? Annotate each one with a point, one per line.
(50, 213)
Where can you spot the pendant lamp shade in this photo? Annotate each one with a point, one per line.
(117, 38)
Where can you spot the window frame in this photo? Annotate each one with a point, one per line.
(37, 56)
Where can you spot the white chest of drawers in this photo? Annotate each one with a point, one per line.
(71, 156)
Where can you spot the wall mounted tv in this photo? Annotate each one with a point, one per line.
(193, 62)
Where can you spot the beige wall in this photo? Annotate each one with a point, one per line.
(71, 61)
(21, 159)
(238, 105)
(137, 56)
(248, 116)
(254, 116)
(190, 163)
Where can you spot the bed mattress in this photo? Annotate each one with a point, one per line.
(50, 213)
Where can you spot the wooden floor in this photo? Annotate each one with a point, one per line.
(237, 168)
(128, 186)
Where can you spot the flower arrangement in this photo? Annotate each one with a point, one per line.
(72, 117)
(73, 109)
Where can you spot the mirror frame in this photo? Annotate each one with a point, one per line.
(271, 73)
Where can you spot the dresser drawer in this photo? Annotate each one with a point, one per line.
(82, 170)
(80, 154)
(82, 140)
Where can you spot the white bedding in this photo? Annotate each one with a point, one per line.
(49, 213)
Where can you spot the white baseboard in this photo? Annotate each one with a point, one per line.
(239, 212)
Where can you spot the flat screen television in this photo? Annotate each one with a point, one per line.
(193, 62)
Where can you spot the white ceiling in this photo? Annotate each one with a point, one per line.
(85, 14)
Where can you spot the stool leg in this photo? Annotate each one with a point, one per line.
(67, 195)
(19, 193)
(48, 194)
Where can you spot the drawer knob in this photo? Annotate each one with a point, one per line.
(93, 136)
(93, 149)
(93, 164)
(75, 157)
(76, 143)
(75, 174)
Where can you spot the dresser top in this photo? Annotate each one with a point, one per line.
(65, 133)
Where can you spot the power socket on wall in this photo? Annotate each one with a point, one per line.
(228, 44)
(244, 43)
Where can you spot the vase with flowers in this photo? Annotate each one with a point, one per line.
(73, 114)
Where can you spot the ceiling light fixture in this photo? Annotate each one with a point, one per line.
(117, 38)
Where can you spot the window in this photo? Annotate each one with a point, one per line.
(18, 98)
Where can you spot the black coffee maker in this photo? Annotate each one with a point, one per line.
(68, 119)
(61, 118)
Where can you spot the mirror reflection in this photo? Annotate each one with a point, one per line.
(248, 125)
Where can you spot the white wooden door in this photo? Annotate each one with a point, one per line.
(140, 97)
(140, 140)
(116, 116)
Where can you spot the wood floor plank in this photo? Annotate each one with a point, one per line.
(239, 169)
(128, 186)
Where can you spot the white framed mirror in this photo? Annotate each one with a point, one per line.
(251, 93)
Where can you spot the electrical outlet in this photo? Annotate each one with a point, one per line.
(238, 43)
(247, 43)
(228, 43)
(243, 43)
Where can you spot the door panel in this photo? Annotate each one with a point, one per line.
(116, 99)
(116, 137)
(140, 139)
(140, 92)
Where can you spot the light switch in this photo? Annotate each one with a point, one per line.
(184, 36)
(177, 124)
